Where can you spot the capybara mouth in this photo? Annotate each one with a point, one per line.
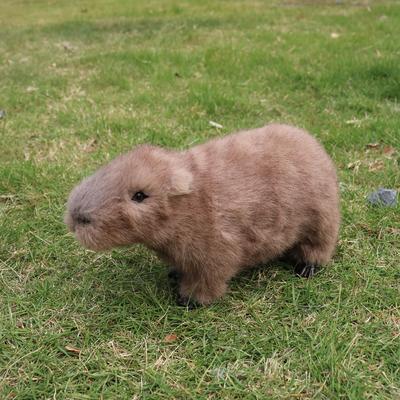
(89, 240)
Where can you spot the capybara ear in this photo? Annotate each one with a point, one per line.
(181, 182)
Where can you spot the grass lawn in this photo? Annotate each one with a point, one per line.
(82, 81)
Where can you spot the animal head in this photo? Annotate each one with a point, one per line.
(129, 200)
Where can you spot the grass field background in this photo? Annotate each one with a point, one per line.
(82, 81)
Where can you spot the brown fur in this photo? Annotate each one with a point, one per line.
(217, 208)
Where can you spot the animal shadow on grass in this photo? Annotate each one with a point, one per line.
(137, 284)
(128, 286)
(256, 278)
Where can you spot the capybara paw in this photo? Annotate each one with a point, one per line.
(306, 270)
(187, 302)
(174, 276)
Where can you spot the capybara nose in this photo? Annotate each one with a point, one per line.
(82, 219)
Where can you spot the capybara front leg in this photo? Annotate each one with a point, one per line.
(201, 288)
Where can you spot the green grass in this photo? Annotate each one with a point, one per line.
(83, 81)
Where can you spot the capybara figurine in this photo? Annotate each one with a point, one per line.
(217, 208)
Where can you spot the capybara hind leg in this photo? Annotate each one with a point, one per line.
(309, 258)
(200, 289)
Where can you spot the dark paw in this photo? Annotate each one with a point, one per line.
(187, 302)
(174, 276)
(306, 270)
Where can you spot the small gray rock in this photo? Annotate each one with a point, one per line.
(383, 197)
(2, 114)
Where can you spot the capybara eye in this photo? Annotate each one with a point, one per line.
(139, 197)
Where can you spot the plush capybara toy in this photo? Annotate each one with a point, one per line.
(217, 208)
